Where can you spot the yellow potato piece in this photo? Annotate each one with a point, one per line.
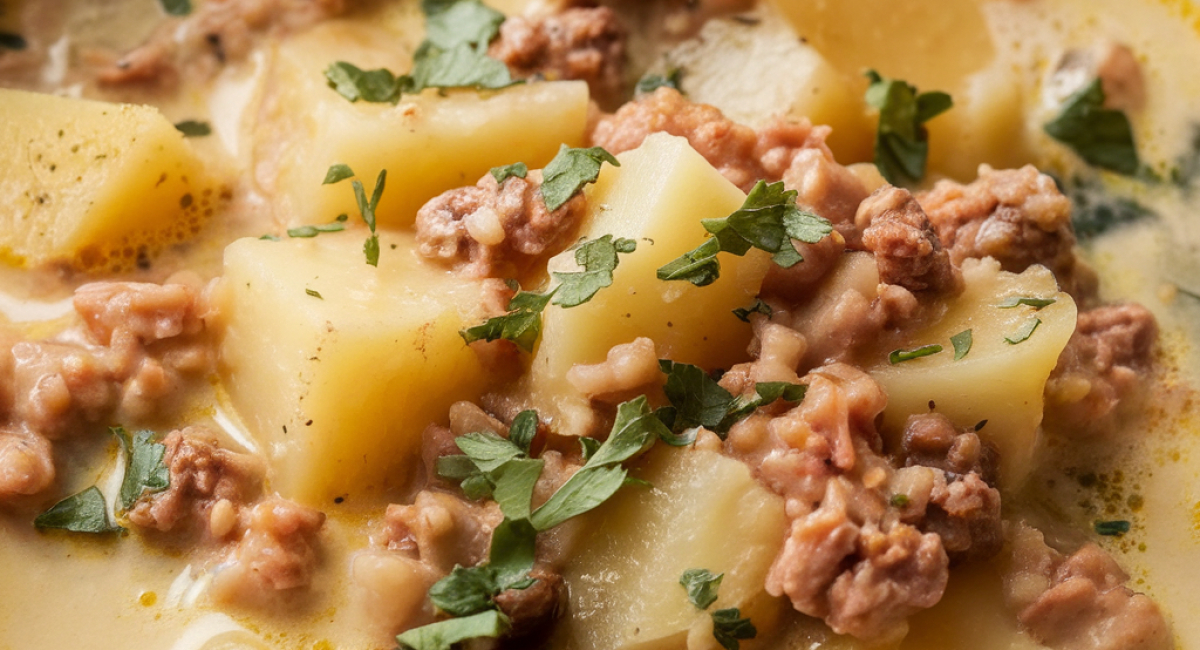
(657, 197)
(337, 388)
(705, 511)
(997, 381)
(93, 184)
(429, 143)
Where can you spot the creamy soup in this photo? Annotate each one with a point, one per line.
(298, 358)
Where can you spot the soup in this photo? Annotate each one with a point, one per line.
(301, 357)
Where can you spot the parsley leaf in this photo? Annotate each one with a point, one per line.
(503, 173)
(900, 356)
(514, 482)
(768, 220)
(759, 307)
(729, 627)
(521, 325)
(697, 400)
(701, 586)
(450, 24)
(144, 468)
(465, 591)
(176, 7)
(962, 344)
(312, 231)
(1015, 301)
(523, 429)
(367, 209)
(462, 66)
(194, 128)
(901, 141)
(512, 553)
(337, 173)
(1024, 333)
(1101, 136)
(377, 86)
(570, 170)
(598, 257)
(487, 450)
(1112, 528)
(651, 82)
(11, 41)
(633, 432)
(444, 634)
(84, 512)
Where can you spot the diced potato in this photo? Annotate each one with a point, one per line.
(705, 511)
(755, 72)
(997, 381)
(657, 197)
(93, 184)
(429, 143)
(337, 387)
(909, 41)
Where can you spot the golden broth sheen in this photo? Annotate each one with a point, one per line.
(62, 591)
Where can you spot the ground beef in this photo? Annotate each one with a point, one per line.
(1105, 360)
(586, 43)
(950, 481)
(216, 32)
(1079, 602)
(1019, 217)
(792, 151)
(277, 551)
(209, 486)
(26, 464)
(137, 344)
(906, 248)
(442, 530)
(495, 230)
(629, 369)
(532, 610)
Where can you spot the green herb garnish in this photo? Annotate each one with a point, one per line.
(651, 82)
(697, 400)
(901, 141)
(768, 220)
(569, 171)
(1016, 301)
(503, 173)
(1112, 528)
(194, 128)
(1024, 333)
(1101, 136)
(145, 472)
(961, 343)
(443, 635)
(759, 307)
(84, 512)
(900, 356)
(701, 586)
(729, 627)
(176, 7)
(340, 172)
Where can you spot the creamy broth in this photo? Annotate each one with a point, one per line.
(996, 55)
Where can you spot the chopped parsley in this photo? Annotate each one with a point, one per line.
(729, 628)
(1101, 136)
(194, 128)
(84, 512)
(314, 293)
(697, 400)
(701, 586)
(1016, 301)
(768, 220)
(340, 172)
(450, 23)
(899, 500)
(569, 171)
(962, 344)
(11, 41)
(900, 356)
(176, 7)
(443, 635)
(353, 83)
(1024, 333)
(503, 173)
(1114, 528)
(144, 468)
(337, 225)
(759, 307)
(523, 322)
(901, 141)
(651, 82)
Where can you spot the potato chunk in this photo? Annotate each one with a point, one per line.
(429, 143)
(93, 184)
(705, 511)
(997, 381)
(337, 387)
(657, 197)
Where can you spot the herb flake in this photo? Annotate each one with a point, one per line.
(701, 586)
(902, 141)
(144, 468)
(84, 512)
(759, 307)
(569, 171)
(176, 7)
(1016, 301)
(444, 634)
(900, 356)
(729, 628)
(1114, 528)
(1103, 137)
(1024, 333)
(505, 172)
(962, 344)
(194, 128)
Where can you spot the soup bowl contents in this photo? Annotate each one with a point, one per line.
(618, 325)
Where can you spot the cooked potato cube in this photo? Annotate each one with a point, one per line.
(705, 511)
(657, 197)
(335, 366)
(1002, 378)
(429, 143)
(93, 184)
